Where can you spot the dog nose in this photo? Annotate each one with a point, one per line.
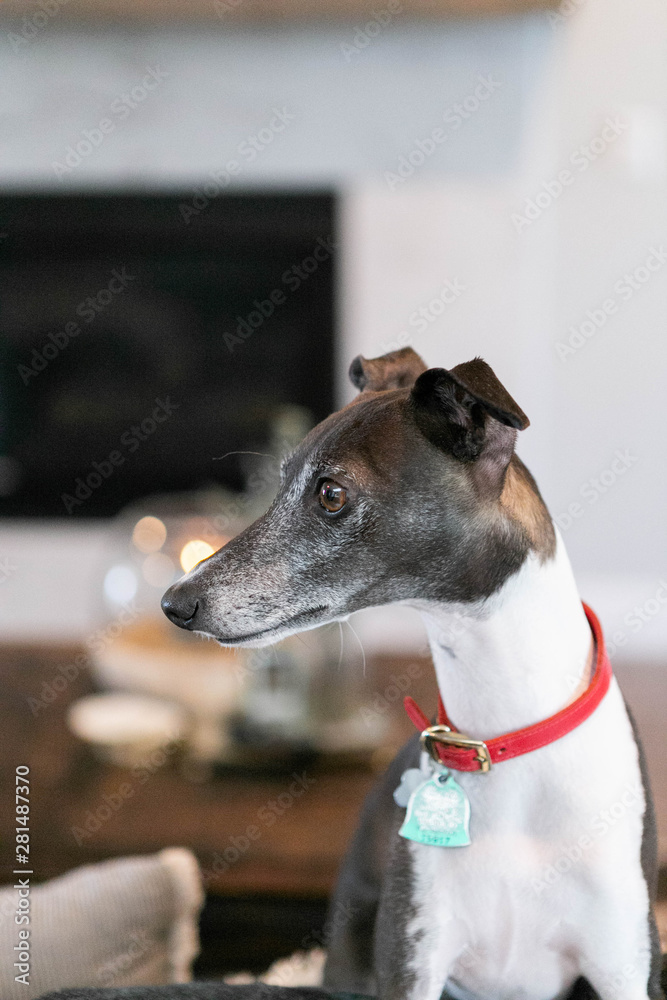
(180, 608)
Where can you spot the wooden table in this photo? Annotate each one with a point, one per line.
(281, 833)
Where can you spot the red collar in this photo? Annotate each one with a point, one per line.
(463, 753)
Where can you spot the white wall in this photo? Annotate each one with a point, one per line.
(353, 115)
(526, 285)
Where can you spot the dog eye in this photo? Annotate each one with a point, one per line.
(332, 496)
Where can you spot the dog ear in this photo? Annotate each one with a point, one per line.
(396, 370)
(468, 413)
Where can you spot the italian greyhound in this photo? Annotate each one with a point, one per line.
(413, 494)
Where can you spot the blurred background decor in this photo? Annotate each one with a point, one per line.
(206, 210)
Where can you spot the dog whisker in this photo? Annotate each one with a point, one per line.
(342, 644)
(361, 646)
(262, 454)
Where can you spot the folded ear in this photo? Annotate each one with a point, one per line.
(468, 413)
(396, 370)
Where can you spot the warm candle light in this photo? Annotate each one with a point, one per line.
(193, 552)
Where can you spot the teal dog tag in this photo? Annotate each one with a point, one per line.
(438, 813)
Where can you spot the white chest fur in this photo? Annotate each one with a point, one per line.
(551, 887)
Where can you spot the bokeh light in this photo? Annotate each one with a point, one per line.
(149, 534)
(120, 584)
(158, 570)
(193, 552)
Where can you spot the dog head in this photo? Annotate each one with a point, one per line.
(412, 492)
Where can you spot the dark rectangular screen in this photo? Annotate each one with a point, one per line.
(166, 329)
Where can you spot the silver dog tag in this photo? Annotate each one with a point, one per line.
(410, 781)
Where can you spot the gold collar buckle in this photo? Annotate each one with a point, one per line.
(448, 736)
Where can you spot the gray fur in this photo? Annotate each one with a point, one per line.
(190, 991)
(354, 947)
(649, 858)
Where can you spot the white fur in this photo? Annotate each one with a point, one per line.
(497, 920)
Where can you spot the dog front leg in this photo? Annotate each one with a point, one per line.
(370, 859)
(414, 966)
(627, 971)
(416, 943)
(627, 981)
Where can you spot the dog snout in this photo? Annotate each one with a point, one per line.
(181, 606)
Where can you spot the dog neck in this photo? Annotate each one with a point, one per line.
(517, 657)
